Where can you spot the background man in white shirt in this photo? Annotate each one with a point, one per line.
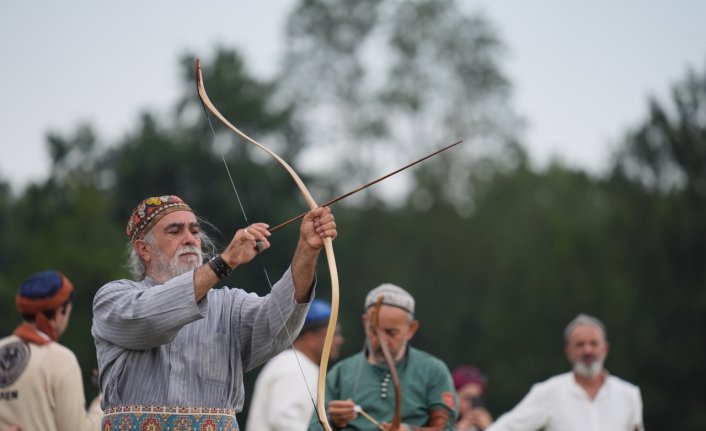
(281, 400)
(586, 399)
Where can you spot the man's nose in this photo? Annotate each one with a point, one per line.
(389, 339)
(189, 238)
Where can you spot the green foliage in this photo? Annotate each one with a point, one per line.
(7, 255)
(660, 178)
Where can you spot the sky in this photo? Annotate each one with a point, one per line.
(582, 72)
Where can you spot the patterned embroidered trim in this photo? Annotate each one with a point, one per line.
(170, 409)
(161, 418)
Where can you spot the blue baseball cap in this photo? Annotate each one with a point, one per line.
(318, 315)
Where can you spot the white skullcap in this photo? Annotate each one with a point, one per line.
(393, 295)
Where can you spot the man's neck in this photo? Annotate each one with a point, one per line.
(29, 332)
(590, 384)
(157, 278)
(309, 353)
(39, 331)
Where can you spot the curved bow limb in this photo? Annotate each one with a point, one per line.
(328, 244)
(375, 326)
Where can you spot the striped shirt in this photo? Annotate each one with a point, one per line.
(157, 346)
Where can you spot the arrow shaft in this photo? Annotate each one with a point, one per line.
(365, 186)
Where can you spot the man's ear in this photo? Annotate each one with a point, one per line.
(58, 311)
(142, 250)
(413, 326)
(54, 315)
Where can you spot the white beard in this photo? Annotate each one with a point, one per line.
(166, 270)
(589, 370)
(379, 356)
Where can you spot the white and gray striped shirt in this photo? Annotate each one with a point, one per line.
(157, 346)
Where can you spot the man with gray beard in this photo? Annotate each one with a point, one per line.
(171, 350)
(586, 399)
(359, 389)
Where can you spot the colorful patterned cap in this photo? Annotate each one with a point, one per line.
(392, 295)
(148, 213)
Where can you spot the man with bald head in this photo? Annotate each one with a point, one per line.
(171, 349)
(586, 399)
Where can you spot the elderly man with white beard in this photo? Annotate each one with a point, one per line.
(171, 350)
(586, 399)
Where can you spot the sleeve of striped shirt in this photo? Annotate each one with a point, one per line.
(131, 316)
(269, 324)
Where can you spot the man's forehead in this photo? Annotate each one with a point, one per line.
(177, 217)
(390, 312)
(586, 330)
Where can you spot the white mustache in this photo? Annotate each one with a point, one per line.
(188, 249)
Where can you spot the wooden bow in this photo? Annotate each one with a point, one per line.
(328, 244)
(375, 326)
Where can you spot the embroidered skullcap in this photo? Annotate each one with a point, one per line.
(150, 211)
(392, 295)
(43, 291)
(466, 374)
(318, 315)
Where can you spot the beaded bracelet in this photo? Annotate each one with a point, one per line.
(219, 266)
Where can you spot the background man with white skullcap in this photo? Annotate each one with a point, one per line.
(360, 389)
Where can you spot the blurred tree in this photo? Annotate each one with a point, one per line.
(537, 252)
(660, 178)
(666, 153)
(377, 81)
(186, 158)
(61, 224)
(7, 256)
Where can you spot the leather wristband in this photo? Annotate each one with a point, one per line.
(219, 266)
